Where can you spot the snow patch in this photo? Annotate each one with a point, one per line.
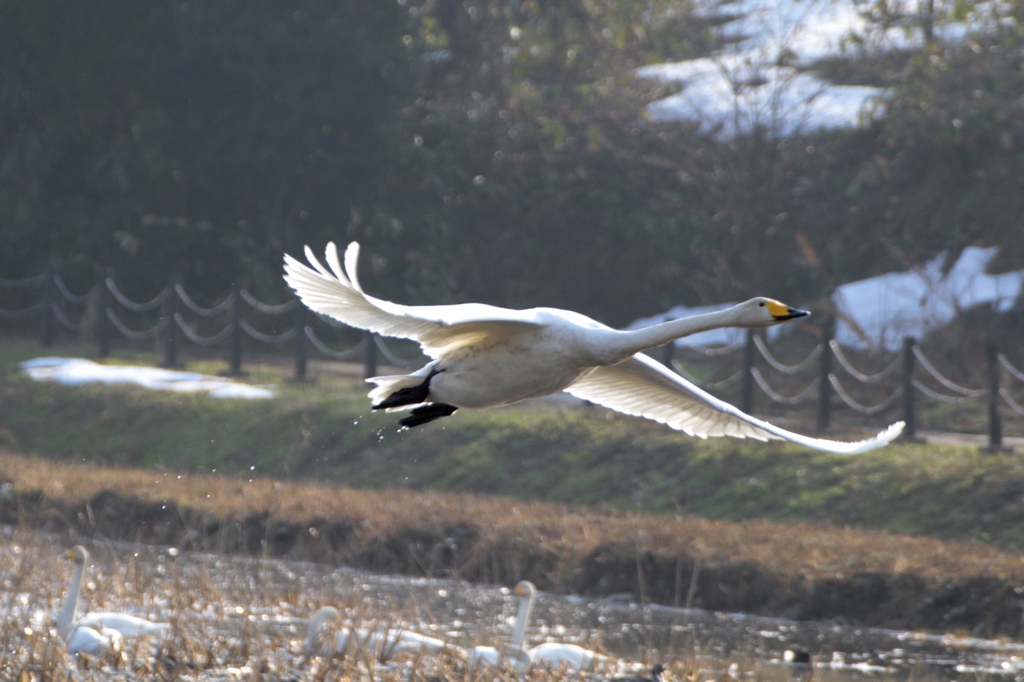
(756, 80)
(879, 311)
(76, 371)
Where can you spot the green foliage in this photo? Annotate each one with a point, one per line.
(325, 431)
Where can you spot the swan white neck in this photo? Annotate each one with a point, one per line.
(626, 343)
(522, 620)
(314, 634)
(70, 613)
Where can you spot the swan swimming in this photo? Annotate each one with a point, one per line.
(82, 628)
(486, 356)
(512, 656)
(92, 640)
(550, 654)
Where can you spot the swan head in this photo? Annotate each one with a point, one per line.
(78, 554)
(525, 589)
(765, 312)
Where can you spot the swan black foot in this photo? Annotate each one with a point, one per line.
(427, 413)
(410, 395)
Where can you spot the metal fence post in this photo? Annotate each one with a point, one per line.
(909, 411)
(235, 349)
(824, 369)
(46, 324)
(102, 321)
(747, 378)
(995, 424)
(169, 310)
(300, 343)
(370, 359)
(668, 354)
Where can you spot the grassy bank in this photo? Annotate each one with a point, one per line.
(795, 570)
(325, 431)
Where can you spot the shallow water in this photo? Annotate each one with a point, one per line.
(258, 609)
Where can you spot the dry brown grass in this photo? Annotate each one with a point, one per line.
(796, 549)
(217, 631)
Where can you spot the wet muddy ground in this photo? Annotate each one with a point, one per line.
(976, 604)
(239, 617)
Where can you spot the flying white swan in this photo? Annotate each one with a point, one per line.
(485, 356)
(550, 654)
(124, 624)
(385, 643)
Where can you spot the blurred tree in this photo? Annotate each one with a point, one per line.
(529, 164)
(201, 137)
(481, 149)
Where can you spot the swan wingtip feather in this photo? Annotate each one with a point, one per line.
(351, 261)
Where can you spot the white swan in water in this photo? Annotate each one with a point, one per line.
(103, 623)
(384, 643)
(512, 656)
(89, 639)
(551, 654)
(485, 356)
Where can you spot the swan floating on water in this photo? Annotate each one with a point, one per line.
(385, 643)
(102, 623)
(485, 356)
(513, 656)
(90, 639)
(516, 657)
(550, 654)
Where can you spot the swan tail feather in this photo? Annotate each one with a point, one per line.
(386, 386)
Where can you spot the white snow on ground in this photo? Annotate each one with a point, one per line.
(76, 371)
(879, 311)
(754, 80)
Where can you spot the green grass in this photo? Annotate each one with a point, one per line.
(325, 431)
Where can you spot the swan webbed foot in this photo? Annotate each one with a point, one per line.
(427, 413)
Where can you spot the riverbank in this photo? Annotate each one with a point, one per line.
(578, 499)
(801, 571)
(553, 451)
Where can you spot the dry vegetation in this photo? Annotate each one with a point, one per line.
(228, 621)
(246, 620)
(796, 570)
(813, 552)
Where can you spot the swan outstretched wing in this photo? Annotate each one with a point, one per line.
(336, 292)
(643, 387)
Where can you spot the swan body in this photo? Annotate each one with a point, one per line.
(386, 643)
(126, 624)
(504, 658)
(512, 656)
(102, 622)
(486, 356)
(92, 640)
(549, 654)
(557, 654)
